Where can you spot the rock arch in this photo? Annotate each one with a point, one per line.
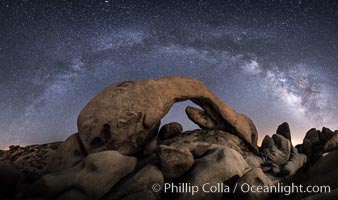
(126, 115)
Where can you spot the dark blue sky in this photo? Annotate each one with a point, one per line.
(275, 61)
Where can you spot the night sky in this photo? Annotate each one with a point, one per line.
(274, 61)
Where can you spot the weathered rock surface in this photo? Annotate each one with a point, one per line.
(332, 143)
(196, 148)
(138, 184)
(197, 141)
(68, 154)
(255, 177)
(170, 130)
(312, 135)
(121, 116)
(294, 164)
(317, 142)
(276, 149)
(310, 142)
(267, 143)
(30, 160)
(200, 118)
(282, 144)
(219, 165)
(175, 161)
(325, 135)
(253, 160)
(94, 176)
(151, 146)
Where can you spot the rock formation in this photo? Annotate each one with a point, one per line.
(123, 116)
(121, 152)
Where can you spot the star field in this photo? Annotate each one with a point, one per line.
(274, 61)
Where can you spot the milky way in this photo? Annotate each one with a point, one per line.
(275, 61)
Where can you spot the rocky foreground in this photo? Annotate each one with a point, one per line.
(120, 151)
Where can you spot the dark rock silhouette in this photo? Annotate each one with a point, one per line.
(170, 130)
(332, 143)
(284, 130)
(120, 151)
(325, 135)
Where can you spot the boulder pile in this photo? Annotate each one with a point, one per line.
(121, 151)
